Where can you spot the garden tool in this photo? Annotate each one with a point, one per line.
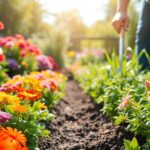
(121, 48)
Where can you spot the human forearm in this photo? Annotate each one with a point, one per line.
(121, 18)
(122, 5)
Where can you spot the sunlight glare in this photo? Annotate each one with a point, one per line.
(90, 10)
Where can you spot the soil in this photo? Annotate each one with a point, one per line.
(79, 125)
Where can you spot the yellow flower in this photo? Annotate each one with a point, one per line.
(8, 99)
(24, 64)
(43, 106)
(71, 54)
(31, 83)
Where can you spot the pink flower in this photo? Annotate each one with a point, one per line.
(4, 117)
(9, 44)
(125, 102)
(49, 84)
(6, 88)
(23, 53)
(44, 62)
(40, 76)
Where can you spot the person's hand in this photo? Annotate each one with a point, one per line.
(120, 20)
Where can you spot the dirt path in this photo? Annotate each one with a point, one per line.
(80, 126)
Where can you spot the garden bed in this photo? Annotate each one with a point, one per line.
(80, 125)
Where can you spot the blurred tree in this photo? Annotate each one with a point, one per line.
(21, 16)
(54, 43)
(72, 22)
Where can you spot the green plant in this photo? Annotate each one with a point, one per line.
(131, 145)
(121, 90)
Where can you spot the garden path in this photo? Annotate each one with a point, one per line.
(79, 125)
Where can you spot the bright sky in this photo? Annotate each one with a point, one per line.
(90, 10)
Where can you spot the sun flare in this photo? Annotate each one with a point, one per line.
(90, 10)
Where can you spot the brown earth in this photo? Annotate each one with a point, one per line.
(79, 125)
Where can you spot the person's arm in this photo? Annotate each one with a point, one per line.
(121, 18)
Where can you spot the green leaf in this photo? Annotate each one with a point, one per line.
(108, 57)
(120, 119)
(127, 145)
(134, 144)
(131, 145)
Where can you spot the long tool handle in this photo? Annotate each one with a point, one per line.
(121, 47)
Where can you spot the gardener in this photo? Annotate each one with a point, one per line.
(121, 19)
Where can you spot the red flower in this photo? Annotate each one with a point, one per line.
(1, 57)
(22, 44)
(1, 25)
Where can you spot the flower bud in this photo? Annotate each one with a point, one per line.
(147, 85)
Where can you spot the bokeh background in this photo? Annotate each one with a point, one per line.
(58, 26)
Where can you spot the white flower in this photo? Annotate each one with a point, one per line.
(1, 51)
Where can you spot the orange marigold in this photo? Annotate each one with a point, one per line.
(19, 108)
(29, 95)
(11, 139)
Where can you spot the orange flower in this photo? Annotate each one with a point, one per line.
(19, 36)
(147, 85)
(11, 139)
(53, 86)
(29, 95)
(17, 89)
(19, 108)
(1, 25)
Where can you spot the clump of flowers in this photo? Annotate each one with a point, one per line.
(31, 86)
(4, 117)
(3, 75)
(25, 102)
(24, 57)
(90, 55)
(46, 62)
(18, 50)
